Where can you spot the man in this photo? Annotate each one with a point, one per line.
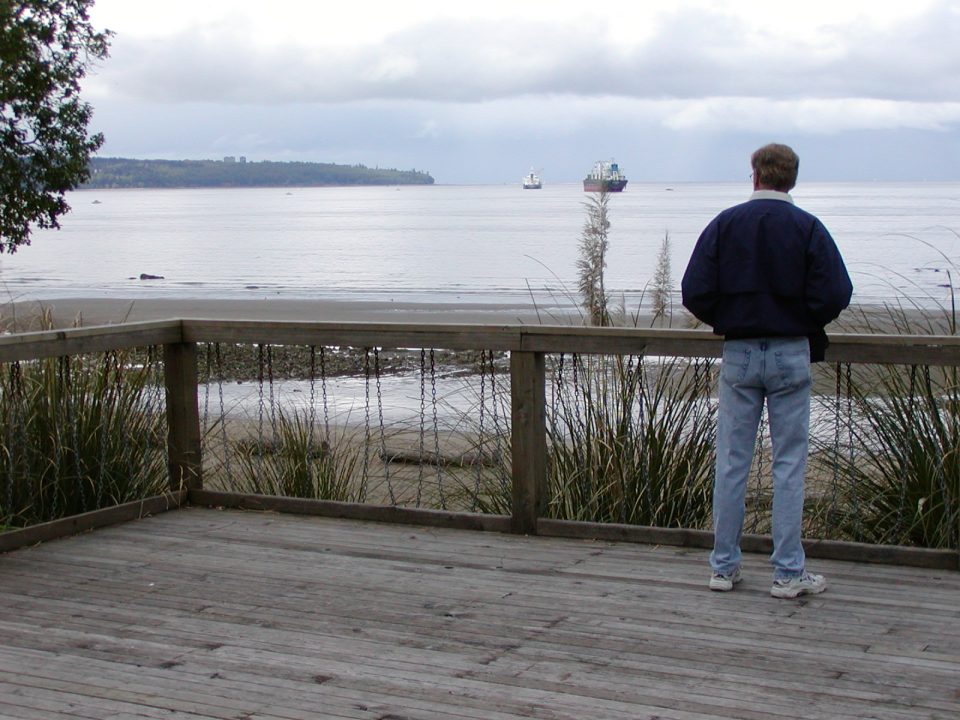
(768, 277)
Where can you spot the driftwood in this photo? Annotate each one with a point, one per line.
(427, 457)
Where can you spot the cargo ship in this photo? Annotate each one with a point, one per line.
(532, 181)
(605, 177)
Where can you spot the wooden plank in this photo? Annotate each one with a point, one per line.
(76, 341)
(184, 442)
(351, 511)
(390, 335)
(814, 548)
(528, 440)
(187, 608)
(44, 532)
(854, 348)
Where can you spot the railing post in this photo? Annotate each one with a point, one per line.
(183, 416)
(529, 440)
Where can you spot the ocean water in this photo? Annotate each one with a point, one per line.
(451, 244)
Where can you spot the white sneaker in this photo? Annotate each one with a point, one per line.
(724, 583)
(806, 584)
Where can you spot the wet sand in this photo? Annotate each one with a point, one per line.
(30, 315)
(70, 312)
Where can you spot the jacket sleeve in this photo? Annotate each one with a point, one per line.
(700, 285)
(828, 286)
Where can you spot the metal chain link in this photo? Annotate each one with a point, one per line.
(223, 413)
(481, 442)
(260, 412)
(206, 389)
(436, 429)
(423, 422)
(323, 391)
(108, 357)
(835, 461)
(366, 416)
(383, 439)
(15, 425)
(498, 434)
(312, 416)
(850, 443)
(273, 404)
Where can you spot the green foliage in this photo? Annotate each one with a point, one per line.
(895, 459)
(628, 441)
(899, 469)
(297, 464)
(79, 434)
(632, 442)
(46, 47)
(126, 173)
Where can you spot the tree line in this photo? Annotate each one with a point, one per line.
(130, 173)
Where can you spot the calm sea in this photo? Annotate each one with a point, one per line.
(449, 244)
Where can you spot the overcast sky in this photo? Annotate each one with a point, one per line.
(480, 92)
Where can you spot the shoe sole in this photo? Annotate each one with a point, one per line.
(790, 594)
(724, 587)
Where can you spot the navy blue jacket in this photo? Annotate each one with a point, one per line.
(766, 268)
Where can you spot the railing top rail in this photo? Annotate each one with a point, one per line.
(859, 348)
(97, 338)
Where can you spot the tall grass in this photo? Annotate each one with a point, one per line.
(629, 440)
(80, 433)
(895, 461)
(296, 463)
(900, 464)
(632, 441)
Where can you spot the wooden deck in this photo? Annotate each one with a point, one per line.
(201, 613)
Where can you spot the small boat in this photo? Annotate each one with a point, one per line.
(605, 177)
(532, 181)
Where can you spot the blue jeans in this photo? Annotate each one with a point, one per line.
(775, 370)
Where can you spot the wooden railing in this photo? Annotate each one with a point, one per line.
(527, 347)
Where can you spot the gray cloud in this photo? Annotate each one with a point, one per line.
(691, 56)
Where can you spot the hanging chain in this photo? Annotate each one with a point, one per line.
(835, 462)
(312, 417)
(223, 413)
(383, 439)
(850, 447)
(497, 433)
(366, 415)
(18, 426)
(273, 403)
(436, 429)
(104, 429)
(156, 405)
(911, 408)
(423, 422)
(323, 391)
(482, 442)
(206, 388)
(260, 412)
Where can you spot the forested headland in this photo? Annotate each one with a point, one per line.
(231, 172)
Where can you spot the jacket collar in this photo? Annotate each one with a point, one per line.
(771, 195)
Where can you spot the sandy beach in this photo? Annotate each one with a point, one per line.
(86, 312)
(25, 316)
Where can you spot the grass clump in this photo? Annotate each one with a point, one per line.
(632, 441)
(295, 463)
(80, 433)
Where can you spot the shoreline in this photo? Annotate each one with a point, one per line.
(25, 315)
(66, 312)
